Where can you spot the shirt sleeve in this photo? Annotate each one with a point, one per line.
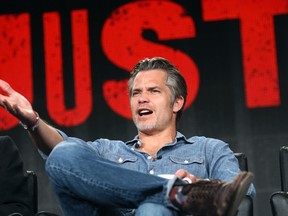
(222, 163)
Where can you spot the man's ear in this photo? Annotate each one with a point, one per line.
(178, 104)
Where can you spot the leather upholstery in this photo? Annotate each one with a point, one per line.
(246, 205)
(279, 199)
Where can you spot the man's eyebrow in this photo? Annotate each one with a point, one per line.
(148, 88)
(136, 89)
(153, 87)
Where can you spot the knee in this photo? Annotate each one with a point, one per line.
(59, 152)
(148, 209)
(63, 155)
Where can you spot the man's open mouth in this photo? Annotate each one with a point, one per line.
(143, 112)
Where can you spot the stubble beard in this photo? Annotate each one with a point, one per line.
(145, 127)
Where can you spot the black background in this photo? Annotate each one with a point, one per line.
(219, 109)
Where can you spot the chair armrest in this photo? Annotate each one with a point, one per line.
(246, 207)
(279, 203)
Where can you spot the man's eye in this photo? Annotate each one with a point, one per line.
(135, 93)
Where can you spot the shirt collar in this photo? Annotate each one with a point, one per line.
(179, 136)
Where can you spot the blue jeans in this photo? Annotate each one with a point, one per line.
(86, 184)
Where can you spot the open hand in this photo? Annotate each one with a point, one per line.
(16, 104)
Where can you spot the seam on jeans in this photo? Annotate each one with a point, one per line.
(106, 187)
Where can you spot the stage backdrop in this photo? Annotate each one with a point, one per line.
(72, 58)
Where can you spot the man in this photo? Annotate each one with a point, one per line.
(14, 194)
(109, 177)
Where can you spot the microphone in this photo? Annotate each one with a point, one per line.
(157, 158)
(138, 144)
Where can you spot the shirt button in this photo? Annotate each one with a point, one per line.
(186, 161)
(120, 160)
(151, 171)
(149, 157)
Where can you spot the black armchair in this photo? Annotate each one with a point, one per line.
(246, 205)
(33, 189)
(279, 199)
(283, 159)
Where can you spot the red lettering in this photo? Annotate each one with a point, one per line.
(54, 72)
(15, 60)
(124, 45)
(258, 44)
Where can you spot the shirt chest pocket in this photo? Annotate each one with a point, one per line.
(122, 159)
(127, 161)
(193, 165)
(186, 160)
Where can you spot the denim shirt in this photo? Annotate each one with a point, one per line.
(203, 157)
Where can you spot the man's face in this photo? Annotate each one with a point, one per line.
(151, 102)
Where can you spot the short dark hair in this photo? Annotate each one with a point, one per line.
(175, 81)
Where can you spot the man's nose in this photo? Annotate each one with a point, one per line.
(143, 98)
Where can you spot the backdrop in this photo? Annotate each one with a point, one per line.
(71, 60)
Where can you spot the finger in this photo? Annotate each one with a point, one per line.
(2, 84)
(5, 88)
(2, 98)
(9, 107)
(185, 175)
(181, 173)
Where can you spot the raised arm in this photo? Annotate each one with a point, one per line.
(43, 135)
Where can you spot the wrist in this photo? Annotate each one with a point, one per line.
(31, 126)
